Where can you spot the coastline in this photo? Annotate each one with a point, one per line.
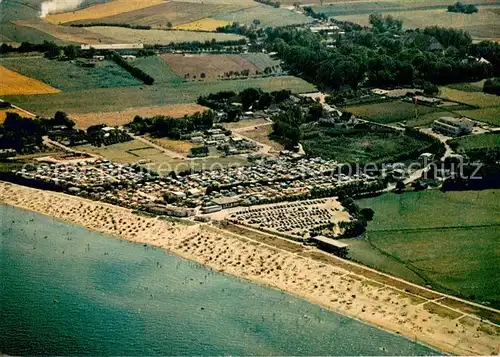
(333, 287)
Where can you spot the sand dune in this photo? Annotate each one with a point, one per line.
(331, 286)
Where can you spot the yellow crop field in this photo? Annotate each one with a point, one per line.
(13, 83)
(206, 24)
(124, 117)
(99, 11)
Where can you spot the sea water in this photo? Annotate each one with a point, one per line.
(68, 290)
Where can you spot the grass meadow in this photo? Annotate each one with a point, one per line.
(470, 142)
(67, 76)
(136, 151)
(390, 112)
(446, 240)
(361, 147)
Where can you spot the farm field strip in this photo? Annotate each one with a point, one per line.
(213, 66)
(477, 99)
(161, 37)
(65, 34)
(113, 99)
(482, 25)
(173, 12)
(486, 140)
(363, 7)
(268, 16)
(489, 115)
(106, 74)
(206, 24)
(126, 116)
(13, 83)
(390, 112)
(102, 10)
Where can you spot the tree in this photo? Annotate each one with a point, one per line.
(61, 118)
(367, 213)
(169, 25)
(249, 96)
(71, 52)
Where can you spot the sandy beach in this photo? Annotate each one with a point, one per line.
(294, 270)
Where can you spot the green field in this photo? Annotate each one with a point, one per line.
(487, 140)
(446, 240)
(476, 99)
(116, 99)
(67, 76)
(488, 115)
(468, 87)
(427, 119)
(362, 147)
(153, 159)
(155, 66)
(390, 112)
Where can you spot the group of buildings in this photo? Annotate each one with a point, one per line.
(268, 180)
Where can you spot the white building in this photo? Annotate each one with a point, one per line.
(453, 126)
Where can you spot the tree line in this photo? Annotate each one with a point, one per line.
(134, 71)
(174, 128)
(129, 26)
(25, 134)
(462, 8)
(197, 46)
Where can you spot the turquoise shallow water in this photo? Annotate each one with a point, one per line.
(67, 290)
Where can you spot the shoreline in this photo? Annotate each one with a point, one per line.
(332, 287)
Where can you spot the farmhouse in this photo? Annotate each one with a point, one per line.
(453, 126)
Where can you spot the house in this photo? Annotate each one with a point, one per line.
(197, 139)
(227, 202)
(450, 126)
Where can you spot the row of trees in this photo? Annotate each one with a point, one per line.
(134, 71)
(174, 128)
(462, 8)
(112, 24)
(197, 46)
(253, 98)
(273, 3)
(315, 15)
